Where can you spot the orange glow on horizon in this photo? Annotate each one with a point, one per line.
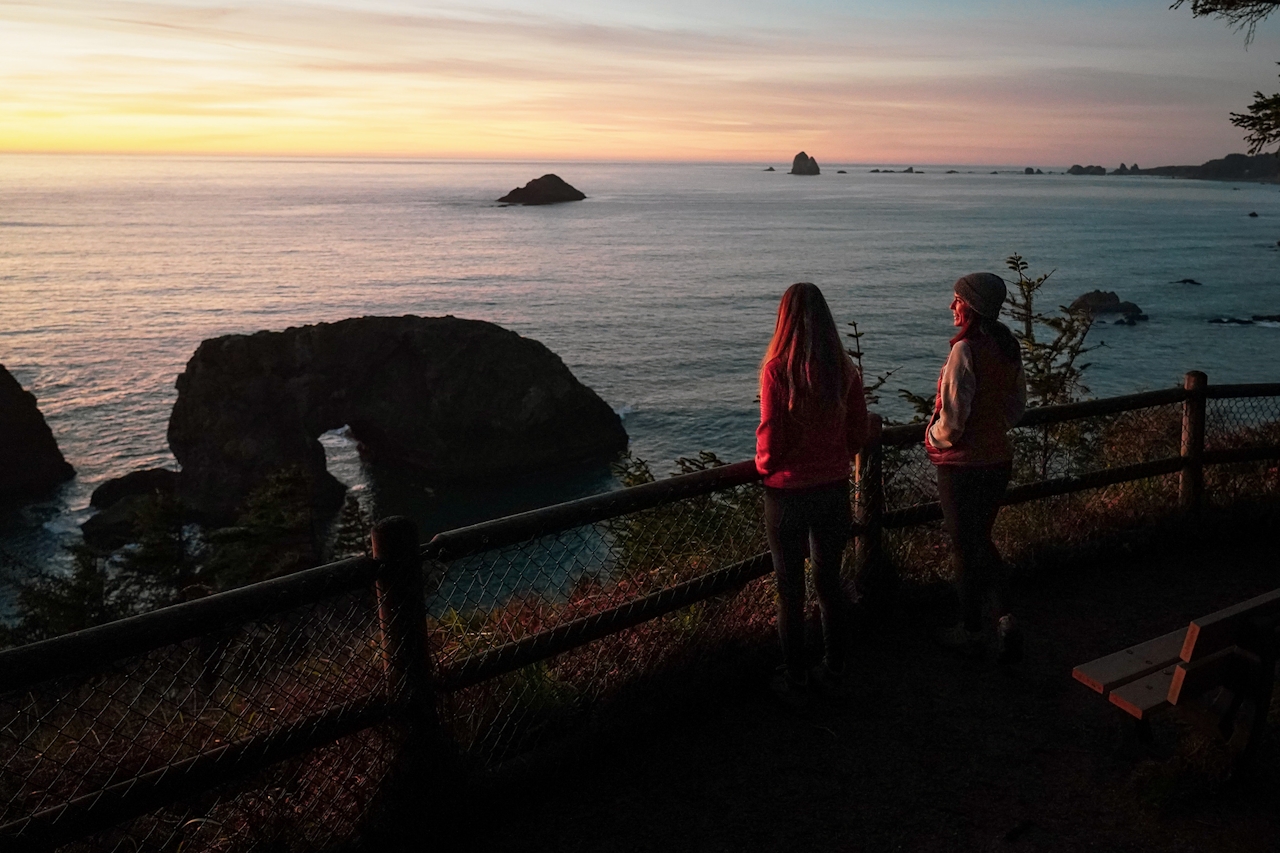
(120, 76)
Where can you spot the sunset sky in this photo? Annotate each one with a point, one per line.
(857, 81)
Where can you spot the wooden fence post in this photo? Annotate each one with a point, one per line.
(402, 613)
(869, 471)
(418, 784)
(1191, 481)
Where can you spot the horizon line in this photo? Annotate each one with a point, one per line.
(439, 158)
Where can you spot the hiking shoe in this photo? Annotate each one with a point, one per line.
(1009, 640)
(789, 691)
(829, 683)
(965, 643)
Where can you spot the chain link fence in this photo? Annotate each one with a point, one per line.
(1235, 425)
(601, 608)
(95, 756)
(275, 722)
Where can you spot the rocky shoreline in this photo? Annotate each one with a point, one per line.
(1261, 168)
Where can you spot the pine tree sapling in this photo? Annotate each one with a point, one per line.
(1052, 363)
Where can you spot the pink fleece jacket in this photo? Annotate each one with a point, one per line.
(794, 454)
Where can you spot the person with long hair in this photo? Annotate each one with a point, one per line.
(813, 420)
(982, 392)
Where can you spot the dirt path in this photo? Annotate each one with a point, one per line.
(932, 754)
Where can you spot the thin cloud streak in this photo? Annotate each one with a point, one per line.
(312, 79)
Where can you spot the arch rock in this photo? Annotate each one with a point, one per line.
(454, 400)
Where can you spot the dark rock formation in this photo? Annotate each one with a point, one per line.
(1266, 318)
(874, 171)
(1187, 281)
(1098, 302)
(803, 164)
(1123, 170)
(118, 524)
(151, 481)
(549, 189)
(1253, 214)
(770, 169)
(456, 400)
(1038, 172)
(841, 172)
(1086, 170)
(1028, 171)
(1233, 167)
(1231, 321)
(30, 462)
(952, 172)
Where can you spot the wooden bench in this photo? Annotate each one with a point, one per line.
(1218, 665)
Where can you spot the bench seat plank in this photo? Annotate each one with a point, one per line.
(1107, 673)
(1145, 696)
(1212, 633)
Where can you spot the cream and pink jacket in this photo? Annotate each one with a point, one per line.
(981, 395)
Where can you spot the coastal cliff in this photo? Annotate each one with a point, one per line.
(455, 400)
(30, 461)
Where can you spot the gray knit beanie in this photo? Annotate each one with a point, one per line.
(983, 291)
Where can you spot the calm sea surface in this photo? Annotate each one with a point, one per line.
(658, 291)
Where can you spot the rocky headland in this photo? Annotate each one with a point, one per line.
(803, 164)
(1262, 168)
(454, 400)
(1234, 167)
(549, 189)
(30, 462)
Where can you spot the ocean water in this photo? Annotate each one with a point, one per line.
(658, 291)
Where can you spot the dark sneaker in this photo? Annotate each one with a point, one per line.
(829, 683)
(791, 692)
(962, 642)
(1009, 640)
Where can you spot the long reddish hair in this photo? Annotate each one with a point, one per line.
(805, 338)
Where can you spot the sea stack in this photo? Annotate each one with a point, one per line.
(549, 189)
(1097, 302)
(30, 462)
(803, 164)
(453, 400)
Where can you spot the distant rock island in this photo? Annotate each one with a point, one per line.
(30, 462)
(549, 189)
(1100, 302)
(1262, 168)
(803, 164)
(454, 400)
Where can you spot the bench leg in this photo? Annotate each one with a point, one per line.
(1263, 687)
(1142, 733)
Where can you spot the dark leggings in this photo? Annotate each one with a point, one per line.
(816, 521)
(970, 500)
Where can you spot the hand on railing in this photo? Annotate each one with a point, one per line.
(875, 429)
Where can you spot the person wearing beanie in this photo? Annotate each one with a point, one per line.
(982, 392)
